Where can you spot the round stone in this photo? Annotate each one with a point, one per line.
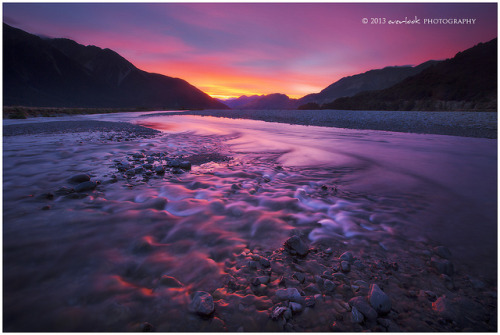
(202, 303)
(79, 178)
(379, 300)
(86, 186)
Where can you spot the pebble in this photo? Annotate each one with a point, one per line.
(79, 178)
(345, 266)
(160, 169)
(379, 300)
(202, 303)
(341, 277)
(170, 281)
(263, 279)
(364, 307)
(185, 165)
(295, 245)
(265, 263)
(329, 285)
(139, 155)
(356, 316)
(347, 256)
(291, 294)
(296, 307)
(86, 186)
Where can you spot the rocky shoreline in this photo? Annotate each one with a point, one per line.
(468, 124)
(327, 285)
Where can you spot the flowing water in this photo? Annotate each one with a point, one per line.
(95, 263)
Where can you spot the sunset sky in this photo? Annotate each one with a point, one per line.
(233, 49)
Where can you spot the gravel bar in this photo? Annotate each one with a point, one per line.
(75, 126)
(467, 124)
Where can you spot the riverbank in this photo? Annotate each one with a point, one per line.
(468, 124)
(227, 225)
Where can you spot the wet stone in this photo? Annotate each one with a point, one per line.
(379, 300)
(340, 277)
(356, 316)
(295, 245)
(79, 178)
(347, 256)
(291, 294)
(296, 307)
(263, 279)
(364, 307)
(202, 303)
(86, 186)
(265, 263)
(185, 165)
(345, 266)
(139, 155)
(160, 169)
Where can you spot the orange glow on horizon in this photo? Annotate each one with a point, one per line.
(223, 82)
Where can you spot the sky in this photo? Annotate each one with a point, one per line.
(233, 49)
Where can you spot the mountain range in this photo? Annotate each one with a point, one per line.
(58, 72)
(264, 102)
(467, 81)
(45, 72)
(345, 87)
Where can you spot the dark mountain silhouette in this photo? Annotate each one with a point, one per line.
(367, 81)
(45, 72)
(264, 102)
(466, 81)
